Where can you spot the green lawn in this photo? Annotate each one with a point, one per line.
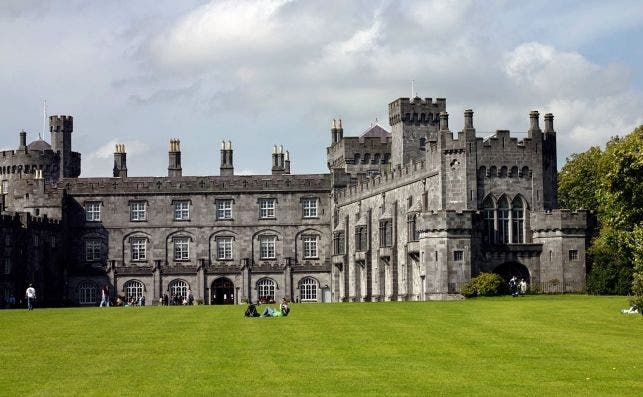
(535, 345)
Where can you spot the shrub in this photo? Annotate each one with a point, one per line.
(484, 284)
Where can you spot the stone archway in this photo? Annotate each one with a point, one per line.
(510, 269)
(222, 292)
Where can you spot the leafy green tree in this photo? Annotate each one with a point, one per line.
(577, 180)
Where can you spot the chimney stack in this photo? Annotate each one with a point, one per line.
(287, 163)
(549, 123)
(120, 161)
(174, 167)
(444, 121)
(278, 160)
(23, 140)
(227, 167)
(468, 119)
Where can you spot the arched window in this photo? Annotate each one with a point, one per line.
(489, 220)
(387, 158)
(503, 172)
(517, 221)
(87, 293)
(423, 144)
(524, 172)
(493, 171)
(482, 173)
(503, 221)
(179, 288)
(308, 289)
(367, 158)
(133, 289)
(377, 158)
(514, 172)
(266, 290)
(356, 158)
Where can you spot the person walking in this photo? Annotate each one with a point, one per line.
(104, 299)
(31, 296)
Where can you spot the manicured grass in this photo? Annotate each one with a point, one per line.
(531, 346)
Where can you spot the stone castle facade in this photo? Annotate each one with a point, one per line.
(409, 214)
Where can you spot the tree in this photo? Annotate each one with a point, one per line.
(577, 178)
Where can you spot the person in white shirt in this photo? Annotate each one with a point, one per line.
(31, 296)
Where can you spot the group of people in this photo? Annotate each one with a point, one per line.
(283, 311)
(516, 287)
(177, 300)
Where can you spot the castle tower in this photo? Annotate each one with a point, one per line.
(550, 165)
(61, 128)
(174, 165)
(120, 161)
(413, 121)
(227, 167)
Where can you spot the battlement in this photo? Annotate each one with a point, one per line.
(416, 110)
(386, 181)
(61, 123)
(196, 184)
(446, 220)
(25, 219)
(560, 219)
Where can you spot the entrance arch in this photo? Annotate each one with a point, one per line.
(222, 292)
(509, 269)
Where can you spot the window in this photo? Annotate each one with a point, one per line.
(133, 290)
(224, 248)
(339, 243)
(411, 225)
(181, 248)
(573, 255)
(266, 290)
(36, 240)
(308, 289)
(458, 256)
(267, 247)
(181, 210)
(179, 288)
(139, 246)
(224, 209)
(266, 208)
(92, 250)
(517, 221)
(137, 211)
(310, 246)
(489, 214)
(87, 293)
(7, 266)
(361, 238)
(503, 221)
(92, 211)
(386, 233)
(310, 207)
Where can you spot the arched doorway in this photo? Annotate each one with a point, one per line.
(509, 269)
(222, 292)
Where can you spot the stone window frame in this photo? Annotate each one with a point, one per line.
(458, 255)
(181, 248)
(138, 211)
(504, 219)
(178, 285)
(87, 292)
(138, 241)
(573, 255)
(312, 251)
(93, 249)
(133, 289)
(339, 243)
(310, 211)
(92, 210)
(267, 212)
(266, 288)
(226, 211)
(225, 257)
(180, 212)
(386, 232)
(264, 246)
(361, 238)
(308, 288)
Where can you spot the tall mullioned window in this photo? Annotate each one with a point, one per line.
(517, 221)
(361, 238)
(266, 289)
(310, 207)
(133, 289)
(504, 224)
(139, 248)
(310, 246)
(87, 293)
(224, 209)
(92, 211)
(386, 233)
(92, 250)
(267, 247)
(339, 245)
(179, 288)
(138, 211)
(266, 208)
(224, 248)
(489, 213)
(308, 290)
(182, 210)
(181, 248)
(503, 221)
(411, 225)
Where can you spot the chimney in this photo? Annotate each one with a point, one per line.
(23, 140)
(227, 167)
(340, 131)
(287, 163)
(533, 121)
(468, 119)
(549, 123)
(174, 166)
(120, 161)
(277, 160)
(444, 121)
(333, 131)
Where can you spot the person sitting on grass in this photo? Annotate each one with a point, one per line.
(270, 312)
(251, 311)
(631, 310)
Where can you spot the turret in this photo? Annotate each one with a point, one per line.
(174, 167)
(120, 161)
(61, 128)
(227, 167)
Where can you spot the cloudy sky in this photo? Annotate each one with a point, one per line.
(277, 72)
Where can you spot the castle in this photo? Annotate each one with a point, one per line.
(410, 214)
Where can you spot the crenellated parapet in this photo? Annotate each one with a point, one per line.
(61, 123)
(416, 111)
(560, 220)
(447, 221)
(197, 184)
(26, 220)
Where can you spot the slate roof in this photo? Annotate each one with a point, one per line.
(39, 145)
(375, 131)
